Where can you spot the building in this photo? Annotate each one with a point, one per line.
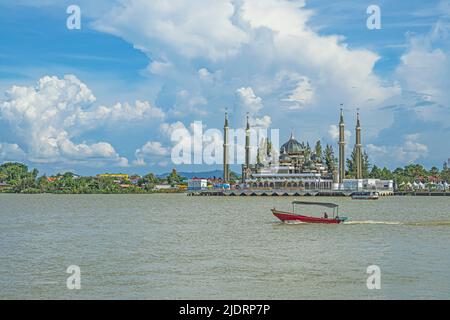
(197, 184)
(163, 187)
(296, 166)
(368, 184)
(4, 186)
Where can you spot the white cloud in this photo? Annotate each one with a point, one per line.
(333, 133)
(204, 74)
(150, 150)
(263, 122)
(302, 95)
(153, 148)
(160, 67)
(195, 29)
(11, 152)
(410, 151)
(248, 101)
(46, 120)
(265, 47)
(187, 104)
(424, 70)
(119, 113)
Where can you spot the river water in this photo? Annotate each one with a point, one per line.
(171, 246)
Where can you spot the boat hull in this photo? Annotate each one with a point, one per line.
(290, 217)
(365, 198)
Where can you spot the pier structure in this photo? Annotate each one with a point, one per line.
(280, 193)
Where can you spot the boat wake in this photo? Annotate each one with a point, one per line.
(293, 222)
(373, 222)
(435, 223)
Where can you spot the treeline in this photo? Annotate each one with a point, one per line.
(403, 175)
(17, 178)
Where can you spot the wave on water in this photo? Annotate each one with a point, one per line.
(373, 222)
(293, 222)
(435, 223)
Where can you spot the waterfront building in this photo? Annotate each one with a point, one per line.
(298, 167)
(368, 184)
(197, 184)
(163, 187)
(4, 186)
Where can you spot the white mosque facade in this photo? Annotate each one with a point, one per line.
(298, 168)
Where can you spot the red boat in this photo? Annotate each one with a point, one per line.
(294, 217)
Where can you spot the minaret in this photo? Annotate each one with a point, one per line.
(247, 144)
(246, 166)
(358, 146)
(226, 166)
(341, 150)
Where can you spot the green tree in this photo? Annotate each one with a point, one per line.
(351, 165)
(435, 172)
(330, 160)
(149, 181)
(318, 151)
(18, 176)
(375, 173)
(445, 173)
(174, 178)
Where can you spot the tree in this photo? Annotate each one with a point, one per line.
(434, 172)
(174, 178)
(445, 173)
(365, 165)
(318, 151)
(351, 165)
(17, 175)
(375, 173)
(234, 176)
(329, 158)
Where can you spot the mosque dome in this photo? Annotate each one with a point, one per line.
(292, 146)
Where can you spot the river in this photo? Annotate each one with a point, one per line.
(170, 246)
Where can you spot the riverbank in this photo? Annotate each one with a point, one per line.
(304, 193)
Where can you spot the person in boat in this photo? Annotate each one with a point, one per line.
(325, 216)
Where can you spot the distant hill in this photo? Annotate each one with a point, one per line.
(190, 175)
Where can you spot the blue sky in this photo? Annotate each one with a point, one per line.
(108, 96)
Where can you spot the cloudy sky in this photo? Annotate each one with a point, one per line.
(108, 96)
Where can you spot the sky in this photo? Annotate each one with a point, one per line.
(107, 97)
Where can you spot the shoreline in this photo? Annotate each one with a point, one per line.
(248, 193)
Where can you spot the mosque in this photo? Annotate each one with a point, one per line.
(299, 168)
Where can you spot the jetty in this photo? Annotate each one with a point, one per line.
(278, 193)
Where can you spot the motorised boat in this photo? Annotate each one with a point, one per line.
(295, 217)
(365, 195)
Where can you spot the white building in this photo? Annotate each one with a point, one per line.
(197, 184)
(368, 184)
